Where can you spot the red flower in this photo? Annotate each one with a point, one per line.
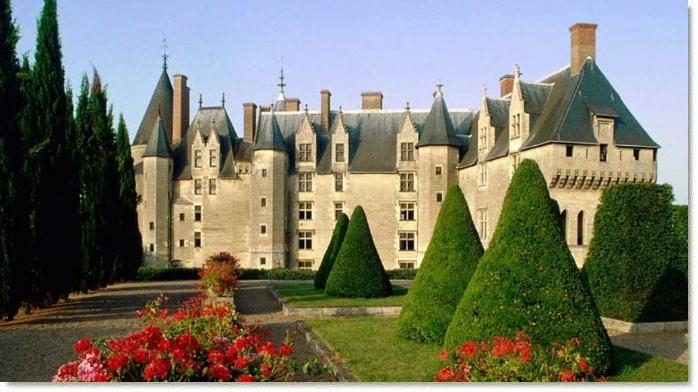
(141, 355)
(445, 374)
(574, 342)
(469, 349)
(179, 354)
(502, 347)
(158, 369)
(266, 370)
(220, 372)
(215, 356)
(444, 355)
(246, 378)
(117, 362)
(187, 342)
(285, 350)
(567, 375)
(241, 363)
(584, 366)
(266, 348)
(82, 345)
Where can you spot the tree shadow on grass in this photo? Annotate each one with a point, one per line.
(669, 299)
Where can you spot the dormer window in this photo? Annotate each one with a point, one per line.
(407, 151)
(339, 152)
(483, 138)
(306, 150)
(515, 125)
(197, 158)
(212, 158)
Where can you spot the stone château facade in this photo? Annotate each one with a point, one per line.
(270, 195)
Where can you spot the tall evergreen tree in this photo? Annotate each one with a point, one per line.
(130, 252)
(56, 223)
(14, 277)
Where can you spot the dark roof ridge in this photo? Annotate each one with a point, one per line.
(158, 145)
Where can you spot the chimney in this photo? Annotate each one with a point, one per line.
(180, 108)
(293, 104)
(249, 120)
(506, 84)
(583, 37)
(265, 108)
(325, 110)
(372, 100)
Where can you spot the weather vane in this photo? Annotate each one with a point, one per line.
(164, 53)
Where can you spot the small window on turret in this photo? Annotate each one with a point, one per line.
(636, 154)
(654, 155)
(603, 152)
(569, 150)
(262, 229)
(264, 172)
(263, 202)
(181, 217)
(151, 247)
(151, 225)
(438, 170)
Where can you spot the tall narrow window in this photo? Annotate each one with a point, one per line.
(264, 172)
(262, 229)
(197, 158)
(197, 213)
(482, 175)
(563, 224)
(569, 150)
(212, 158)
(306, 152)
(483, 223)
(406, 182)
(212, 186)
(338, 209)
(305, 182)
(339, 182)
(305, 240)
(438, 170)
(339, 152)
(603, 152)
(181, 217)
(263, 202)
(151, 225)
(197, 239)
(439, 197)
(580, 228)
(483, 138)
(197, 186)
(636, 154)
(406, 211)
(407, 151)
(305, 210)
(654, 155)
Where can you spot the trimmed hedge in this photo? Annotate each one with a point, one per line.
(402, 274)
(153, 274)
(358, 270)
(340, 229)
(680, 230)
(448, 265)
(631, 266)
(527, 280)
(277, 274)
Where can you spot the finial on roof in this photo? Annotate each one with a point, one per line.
(198, 124)
(281, 83)
(407, 106)
(517, 73)
(201, 101)
(484, 90)
(306, 109)
(340, 108)
(223, 100)
(439, 85)
(164, 53)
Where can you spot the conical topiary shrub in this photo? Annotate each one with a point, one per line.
(340, 229)
(450, 261)
(527, 279)
(358, 270)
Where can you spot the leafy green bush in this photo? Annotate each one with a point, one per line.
(152, 274)
(277, 274)
(402, 274)
(340, 229)
(680, 229)
(450, 261)
(527, 280)
(358, 270)
(631, 258)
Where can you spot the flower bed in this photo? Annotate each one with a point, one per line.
(517, 359)
(220, 274)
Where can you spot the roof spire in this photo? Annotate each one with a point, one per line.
(306, 109)
(201, 101)
(439, 92)
(407, 106)
(164, 53)
(484, 90)
(223, 100)
(517, 71)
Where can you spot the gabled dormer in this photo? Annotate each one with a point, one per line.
(518, 118)
(339, 137)
(485, 131)
(407, 139)
(198, 147)
(306, 145)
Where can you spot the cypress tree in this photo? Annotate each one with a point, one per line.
(527, 279)
(14, 278)
(340, 229)
(56, 221)
(358, 270)
(449, 263)
(130, 252)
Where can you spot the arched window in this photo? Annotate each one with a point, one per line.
(580, 228)
(563, 224)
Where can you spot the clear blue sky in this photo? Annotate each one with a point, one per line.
(399, 48)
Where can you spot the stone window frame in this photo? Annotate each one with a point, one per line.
(482, 175)
(305, 152)
(438, 170)
(198, 156)
(182, 216)
(407, 180)
(197, 239)
(198, 186)
(305, 211)
(338, 211)
(305, 264)
(408, 211)
(407, 151)
(212, 158)
(603, 152)
(407, 241)
(439, 197)
(636, 154)
(515, 126)
(263, 229)
(151, 225)
(406, 264)
(569, 150)
(339, 182)
(264, 172)
(198, 214)
(151, 247)
(212, 186)
(262, 261)
(305, 240)
(483, 139)
(181, 243)
(262, 201)
(339, 152)
(305, 181)
(483, 218)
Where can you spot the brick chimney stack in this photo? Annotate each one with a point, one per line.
(506, 84)
(250, 121)
(293, 104)
(583, 44)
(372, 100)
(325, 110)
(180, 108)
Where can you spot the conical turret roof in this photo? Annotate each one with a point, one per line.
(160, 105)
(438, 127)
(158, 143)
(270, 138)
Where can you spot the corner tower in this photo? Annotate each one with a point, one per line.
(159, 108)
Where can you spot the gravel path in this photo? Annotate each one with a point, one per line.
(669, 345)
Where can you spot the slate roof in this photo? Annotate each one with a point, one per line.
(535, 95)
(470, 156)
(158, 143)
(160, 103)
(269, 137)
(438, 127)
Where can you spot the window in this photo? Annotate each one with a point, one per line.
(197, 213)
(262, 261)
(407, 151)
(151, 225)
(563, 224)
(580, 228)
(212, 158)
(515, 162)
(338, 209)
(197, 186)
(264, 172)
(197, 239)
(482, 175)
(406, 264)
(603, 152)
(407, 241)
(305, 240)
(483, 138)
(406, 211)
(569, 150)
(306, 150)
(515, 126)
(438, 170)
(197, 158)
(181, 217)
(212, 186)
(636, 154)
(482, 218)
(151, 247)
(181, 243)
(439, 197)
(338, 182)
(305, 182)
(305, 210)
(263, 202)
(305, 264)
(339, 152)
(406, 182)
(654, 155)
(262, 229)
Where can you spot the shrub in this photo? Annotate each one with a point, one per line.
(680, 229)
(201, 341)
(340, 229)
(358, 270)
(505, 360)
(402, 274)
(449, 262)
(220, 274)
(152, 274)
(630, 263)
(277, 274)
(527, 279)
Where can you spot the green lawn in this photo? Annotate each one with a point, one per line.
(373, 352)
(305, 295)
